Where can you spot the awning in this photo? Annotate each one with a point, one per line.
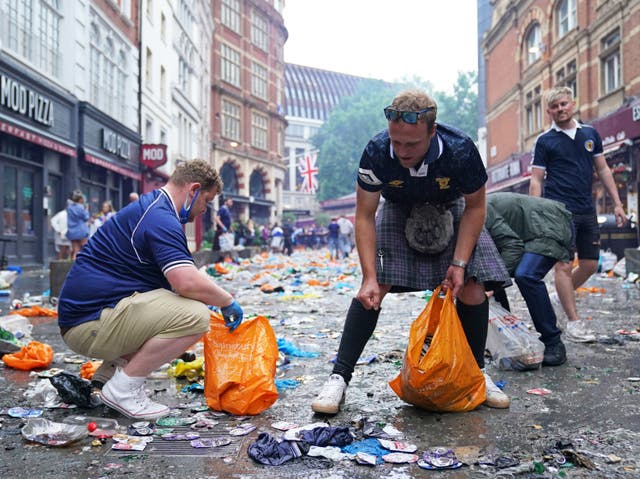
(110, 166)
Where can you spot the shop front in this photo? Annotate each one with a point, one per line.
(109, 159)
(38, 132)
(620, 133)
(510, 175)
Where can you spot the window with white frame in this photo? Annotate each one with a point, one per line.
(259, 30)
(107, 71)
(231, 120)
(184, 76)
(230, 65)
(533, 110)
(109, 76)
(259, 128)
(610, 62)
(125, 7)
(185, 15)
(148, 69)
(534, 43)
(163, 27)
(259, 80)
(163, 85)
(33, 32)
(149, 8)
(230, 15)
(148, 131)
(566, 17)
(568, 76)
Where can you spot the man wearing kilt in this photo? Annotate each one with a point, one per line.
(429, 232)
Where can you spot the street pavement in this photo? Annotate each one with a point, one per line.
(592, 412)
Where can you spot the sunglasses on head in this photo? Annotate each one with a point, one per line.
(410, 117)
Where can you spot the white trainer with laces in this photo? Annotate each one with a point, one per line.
(331, 396)
(578, 332)
(495, 397)
(126, 395)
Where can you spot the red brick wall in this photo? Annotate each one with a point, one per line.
(111, 11)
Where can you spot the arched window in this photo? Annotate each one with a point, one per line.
(256, 184)
(229, 178)
(109, 77)
(94, 65)
(122, 82)
(534, 43)
(566, 17)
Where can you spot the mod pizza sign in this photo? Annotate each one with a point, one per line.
(153, 156)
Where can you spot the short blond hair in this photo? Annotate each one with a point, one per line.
(556, 92)
(197, 171)
(414, 99)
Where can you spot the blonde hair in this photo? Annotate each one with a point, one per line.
(197, 171)
(414, 99)
(556, 92)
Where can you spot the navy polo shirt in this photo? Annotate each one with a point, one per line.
(132, 252)
(568, 164)
(452, 167)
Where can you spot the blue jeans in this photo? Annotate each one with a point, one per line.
(529, 276)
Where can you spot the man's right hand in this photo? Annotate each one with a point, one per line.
(370, 294)
(232, 315)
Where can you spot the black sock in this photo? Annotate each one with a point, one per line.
(475, 322)
(358, 328)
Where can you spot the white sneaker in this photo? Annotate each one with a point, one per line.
(331, 396)
(126, 395)
(106, 371)
(578, 332)
(495, 397)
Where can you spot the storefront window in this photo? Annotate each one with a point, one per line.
(10, 200)
(27, 203)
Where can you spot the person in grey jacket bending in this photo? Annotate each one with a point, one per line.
(532, 234)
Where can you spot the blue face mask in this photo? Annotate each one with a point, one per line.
(184, 211)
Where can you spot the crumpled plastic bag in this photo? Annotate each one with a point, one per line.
(35, 311)
(446, 378)
(511, 344)
(33, 356)
(267, 450)
(240, 367)
(73, 389)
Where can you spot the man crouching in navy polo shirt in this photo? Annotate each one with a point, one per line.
(134, 296)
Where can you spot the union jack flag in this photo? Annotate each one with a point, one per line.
(309, 173)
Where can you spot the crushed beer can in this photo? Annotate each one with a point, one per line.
(397, 446)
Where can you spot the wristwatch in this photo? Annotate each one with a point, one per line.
(458, 262)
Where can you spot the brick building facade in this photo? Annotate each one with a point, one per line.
(592, 46)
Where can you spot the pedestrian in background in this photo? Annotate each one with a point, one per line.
(430, 175)
(77, 222)
(564, 160)
(134, 297)
(60, 240)
(532, 234)
(107, 211)
(333, 238)
(223, 221)
(346, 234)
(133, 197)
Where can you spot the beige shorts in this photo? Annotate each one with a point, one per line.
(135, 319)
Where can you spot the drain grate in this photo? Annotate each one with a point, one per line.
(160, 447)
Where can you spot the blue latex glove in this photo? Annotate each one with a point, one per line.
(232, 315)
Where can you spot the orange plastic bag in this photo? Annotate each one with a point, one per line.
(33, 356)
(35, 311)
(447, 378)
(240, 367)
(88, 369)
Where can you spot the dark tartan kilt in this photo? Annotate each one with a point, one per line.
(408, 270)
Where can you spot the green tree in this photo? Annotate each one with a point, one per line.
(460, 109)
(342, 138)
